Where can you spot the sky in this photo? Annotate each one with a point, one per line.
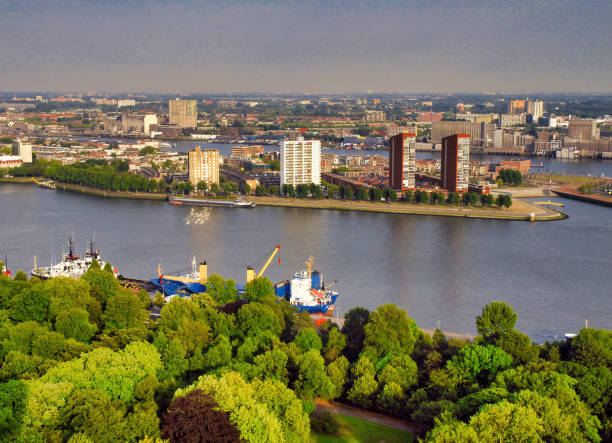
(307, 46)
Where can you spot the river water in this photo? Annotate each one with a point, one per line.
(555, 274)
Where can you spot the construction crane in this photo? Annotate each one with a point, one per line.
(251, 272)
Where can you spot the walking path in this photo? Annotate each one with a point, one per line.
(339, 408)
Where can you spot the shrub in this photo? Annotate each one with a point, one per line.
(325, 424)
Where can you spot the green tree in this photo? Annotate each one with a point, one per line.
(312, 381)
(288, 190)
(337, 371)
(307, 339)
(496, 320)
(202, 187)
(124, 311)
(260, 289)
(255, 318)
(221, 291)
(354, 329)
(592, 348)
(364, 385)
(75, 324)
(477, 364)
(335, 344)
(272, 364)
(376, 194)
(30, 304)
(390, 331)
(91, 412)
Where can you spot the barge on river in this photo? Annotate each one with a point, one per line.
(179, 201)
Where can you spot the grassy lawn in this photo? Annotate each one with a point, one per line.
(355, 430)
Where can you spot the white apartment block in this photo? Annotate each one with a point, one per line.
(23, 149)
(300, 162)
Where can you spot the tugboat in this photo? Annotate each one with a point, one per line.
(306, 292)
(71, 265)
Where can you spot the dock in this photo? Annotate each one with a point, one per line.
(135, 284)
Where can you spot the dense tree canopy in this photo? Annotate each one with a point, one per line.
(83, 361)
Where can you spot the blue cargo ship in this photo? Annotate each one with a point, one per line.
(306, 292)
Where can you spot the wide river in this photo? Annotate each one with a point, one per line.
(555, 274)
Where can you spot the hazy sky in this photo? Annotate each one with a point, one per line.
(307, 46)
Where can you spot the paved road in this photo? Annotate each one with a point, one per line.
(338, 408)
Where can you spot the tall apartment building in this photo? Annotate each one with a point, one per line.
(203, 165)
(300, 161)
(480, 133)
(23, 149)
(455, 162)
(402, 161)
(183, 113)
(516, 106)
(583, 128)
(535, 109)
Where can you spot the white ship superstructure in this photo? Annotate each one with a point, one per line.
(71, 264)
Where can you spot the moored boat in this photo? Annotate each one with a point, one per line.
(238, 203)
(71, 264)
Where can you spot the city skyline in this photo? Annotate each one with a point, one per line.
(312, 47)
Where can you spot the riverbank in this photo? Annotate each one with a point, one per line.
(520, 210)
(67, 187)
(573, 194)
(109, 194)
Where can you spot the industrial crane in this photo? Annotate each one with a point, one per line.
(251, 272)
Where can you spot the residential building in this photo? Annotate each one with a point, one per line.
(300, 161)
(480, 132)
(506, 120)
(516, 106)
(203, 165)
(183, 113)
(246, 151)
(23, 149)
(328, 161)
(402, 161)
(535, 109)
(374, 116)
(10, 161)
(455, 162)
(428, 117)
(583, 128)
(127, 102)
(170, 130)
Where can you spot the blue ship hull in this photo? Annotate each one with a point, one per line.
(172, 287)
(322, 309)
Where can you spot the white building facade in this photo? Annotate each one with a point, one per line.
(23, 149)
(300, 162)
